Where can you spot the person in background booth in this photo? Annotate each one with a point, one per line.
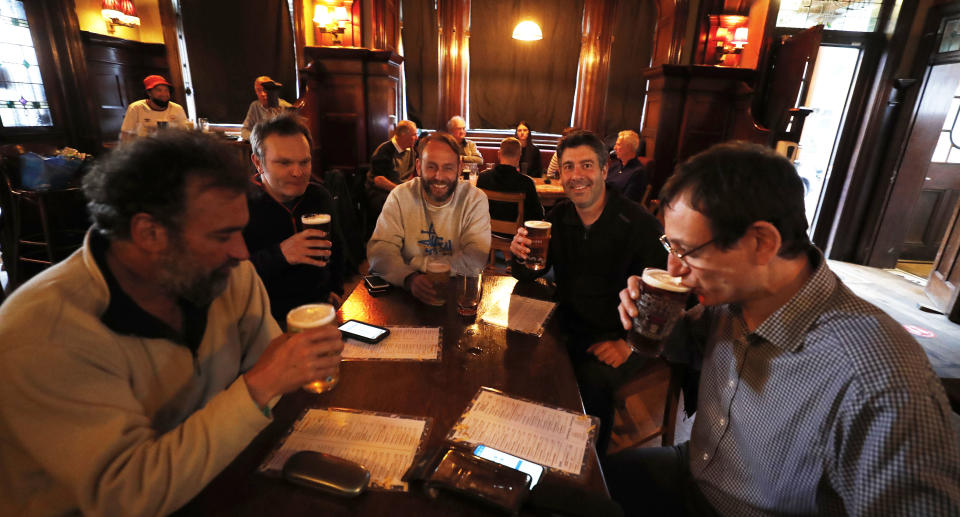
(457, 127)
(267, 105)
(811, 401)
(138, 368)
(530, 157)
(392, 163)
(297, 265)
(157, 110)
(505, 177)
(626, 173)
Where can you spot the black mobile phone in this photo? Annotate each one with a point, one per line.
(364, 332)
(375, 283)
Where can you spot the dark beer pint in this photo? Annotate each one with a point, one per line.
(660, 304)
(316, 222)
(539, 234)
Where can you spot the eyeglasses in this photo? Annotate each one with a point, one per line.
(680, 254)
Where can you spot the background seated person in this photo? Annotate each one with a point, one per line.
(143, 115)
(138, 368)
(268, 104)
(530, 158)
(598, 238)
(506, 178)
(553, 170)
(297, 265)
(433, 215)
(811, 400)
(457, 127)
(627, 174)
(393, 162)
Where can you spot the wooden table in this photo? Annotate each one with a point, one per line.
(549, 193)
(474, 355)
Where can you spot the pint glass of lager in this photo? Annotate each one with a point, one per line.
(660, 305)
(438, 272)
(312, 316)
(539, 234)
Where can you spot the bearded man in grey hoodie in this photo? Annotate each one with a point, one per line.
(433, 215)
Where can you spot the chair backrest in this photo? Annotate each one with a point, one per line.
(500, 226)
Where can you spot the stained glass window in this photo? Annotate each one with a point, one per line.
(23, 101)
(948, 145)
(836, 15)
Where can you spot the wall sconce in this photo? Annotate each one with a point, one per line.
(527, 31)
(332, 19)
(119, 12)
(728, 35)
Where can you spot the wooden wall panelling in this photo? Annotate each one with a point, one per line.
(593, 69)
(172, 42)
(943, 286)
(690, 108)
(350, 103)
(385, 16)
(453, 18)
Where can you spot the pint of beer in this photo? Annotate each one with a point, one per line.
(312, 316)
(316, 222)
(438, 272)
(660, 305)
(539, 234)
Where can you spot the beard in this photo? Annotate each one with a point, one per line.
(182, 275)
(428, 191)
(160, 103)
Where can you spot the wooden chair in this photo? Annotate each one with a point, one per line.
(656, 378)
(499, 226)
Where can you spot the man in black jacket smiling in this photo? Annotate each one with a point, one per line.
(598, 237)
(297, 266)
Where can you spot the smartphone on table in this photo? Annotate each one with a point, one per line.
(363, 332)
(376, 284)
(508, 460)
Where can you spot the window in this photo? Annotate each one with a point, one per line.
(836, 15)
(23, 101)
(948, 150)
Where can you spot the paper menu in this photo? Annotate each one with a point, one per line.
(403, 344)
(553, 437)
(384, 444)
(527, 315)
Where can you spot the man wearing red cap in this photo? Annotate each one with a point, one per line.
(145, 115)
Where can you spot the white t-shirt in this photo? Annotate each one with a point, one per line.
(141, 118)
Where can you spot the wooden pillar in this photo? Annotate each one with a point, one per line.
(169, 22)
(453, 51)
(593, 71)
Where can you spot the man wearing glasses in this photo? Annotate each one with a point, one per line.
(811, 401)
(598, 239)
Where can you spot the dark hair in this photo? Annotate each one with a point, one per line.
(149, 175)
(440, 136)
(283, 125)
(735, 184)
(587, 138)
(522, 123)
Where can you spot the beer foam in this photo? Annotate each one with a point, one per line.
(315, 219)
(662, 280)
(539, 225)
(437, 266)
(311, 315)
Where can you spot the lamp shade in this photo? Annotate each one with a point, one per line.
(527, 31)
(740, 36)
(321, 15)
(340, 14)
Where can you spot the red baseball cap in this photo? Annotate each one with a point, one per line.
(153, 80)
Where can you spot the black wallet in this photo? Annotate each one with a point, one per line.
(459, 472)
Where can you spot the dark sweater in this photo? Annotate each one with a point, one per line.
(530, 161)
(591, 266)
(630, 179)
(289, 285)
(506, 178)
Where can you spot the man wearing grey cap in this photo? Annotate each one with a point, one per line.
(268, 104)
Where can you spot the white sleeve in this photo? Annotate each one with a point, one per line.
(130, 121)
(474, 235)
(386, 243)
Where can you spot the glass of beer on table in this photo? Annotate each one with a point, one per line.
(438, 272)
(317, 222)
(660, 305)
(539, 234)
(469, 290)
(308, 317)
